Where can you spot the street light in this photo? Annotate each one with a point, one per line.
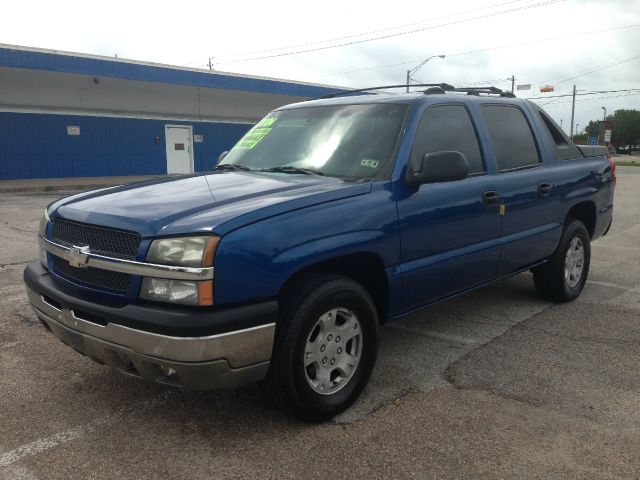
(414, 70)
(604, 117)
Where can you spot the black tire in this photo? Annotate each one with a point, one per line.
(286, 384)
(549, 278)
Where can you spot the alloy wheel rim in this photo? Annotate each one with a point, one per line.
(574, 262)
(333, 351)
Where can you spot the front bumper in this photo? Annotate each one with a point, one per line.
(222, 360)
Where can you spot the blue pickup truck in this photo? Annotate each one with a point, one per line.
(325, 221)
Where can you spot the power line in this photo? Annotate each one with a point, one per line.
(370, 32)
(391, 35)
(498, 47)
(597, 69)
(594, 92)
(628, 94)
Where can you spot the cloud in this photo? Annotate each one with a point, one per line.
(196, 30)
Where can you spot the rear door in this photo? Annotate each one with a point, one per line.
(525, 187)
(449, 237)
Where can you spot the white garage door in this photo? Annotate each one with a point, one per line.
(179, 149)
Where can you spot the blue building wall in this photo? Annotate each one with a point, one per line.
(37, 145)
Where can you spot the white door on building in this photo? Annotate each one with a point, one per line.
(179, 149)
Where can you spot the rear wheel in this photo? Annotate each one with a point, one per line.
(563, 277)
(325, 349)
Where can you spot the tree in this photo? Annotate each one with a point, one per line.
(626, 128)
(593, 129)
(580, 139)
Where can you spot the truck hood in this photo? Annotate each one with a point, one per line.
(217, 202)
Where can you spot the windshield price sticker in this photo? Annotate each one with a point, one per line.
(257, 133)
(252, 138)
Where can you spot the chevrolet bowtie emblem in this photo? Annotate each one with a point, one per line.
(78, 256)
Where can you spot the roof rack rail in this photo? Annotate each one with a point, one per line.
(434, 88)
(485, 90)
(443, 86)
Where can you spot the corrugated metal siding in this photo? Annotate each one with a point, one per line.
(13, 57)
(37, 145)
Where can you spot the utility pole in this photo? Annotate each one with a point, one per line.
(415, 69)
(210, 64)
(513, 83)
(573, 110)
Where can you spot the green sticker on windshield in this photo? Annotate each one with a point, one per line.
(252, 138)
(257, 133)
(266, 122)
(366, 162)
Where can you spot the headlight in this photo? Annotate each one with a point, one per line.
(181, 252)
(44, 220)
(42, 231)
(177, 291)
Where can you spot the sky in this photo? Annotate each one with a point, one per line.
(594, 44)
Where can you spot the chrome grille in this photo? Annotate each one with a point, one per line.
(101, 240)
(93, 277)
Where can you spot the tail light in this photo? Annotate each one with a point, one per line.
(613, 169)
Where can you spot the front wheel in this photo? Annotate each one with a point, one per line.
(325, 349)
(563, 277)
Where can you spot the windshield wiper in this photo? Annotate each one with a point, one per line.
(291, 169)
(229, 167)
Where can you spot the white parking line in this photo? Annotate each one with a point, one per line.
(6, 346)
(443, 337)
(18, 472)
(608, 284)
(43, 444)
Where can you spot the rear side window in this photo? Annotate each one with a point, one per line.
(565, 149)
(447, 128)
(511, 137)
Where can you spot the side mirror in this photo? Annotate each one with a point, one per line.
(439, 167)
(221, 156)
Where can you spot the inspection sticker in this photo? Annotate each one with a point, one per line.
(369, 163)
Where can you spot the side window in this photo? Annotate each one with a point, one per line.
(511, 137)
(445, 128)
(565, 149)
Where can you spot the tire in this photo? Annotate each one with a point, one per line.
(319, 313)
(558, 281)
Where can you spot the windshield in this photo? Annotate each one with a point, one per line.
(354, 141)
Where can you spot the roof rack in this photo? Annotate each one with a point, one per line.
(443, 86)
(434, 88)
(485, 90)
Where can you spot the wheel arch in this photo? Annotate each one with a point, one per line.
(584, 211)
(366, 268)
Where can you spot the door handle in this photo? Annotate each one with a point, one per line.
(544, 189)
(490, 198)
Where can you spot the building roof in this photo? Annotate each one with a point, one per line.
(14, 56)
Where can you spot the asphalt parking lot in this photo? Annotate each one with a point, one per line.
(496, 384)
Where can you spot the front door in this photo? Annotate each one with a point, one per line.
(179, 149)
(450, 237)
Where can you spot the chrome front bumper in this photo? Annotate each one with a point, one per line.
(216, 361)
